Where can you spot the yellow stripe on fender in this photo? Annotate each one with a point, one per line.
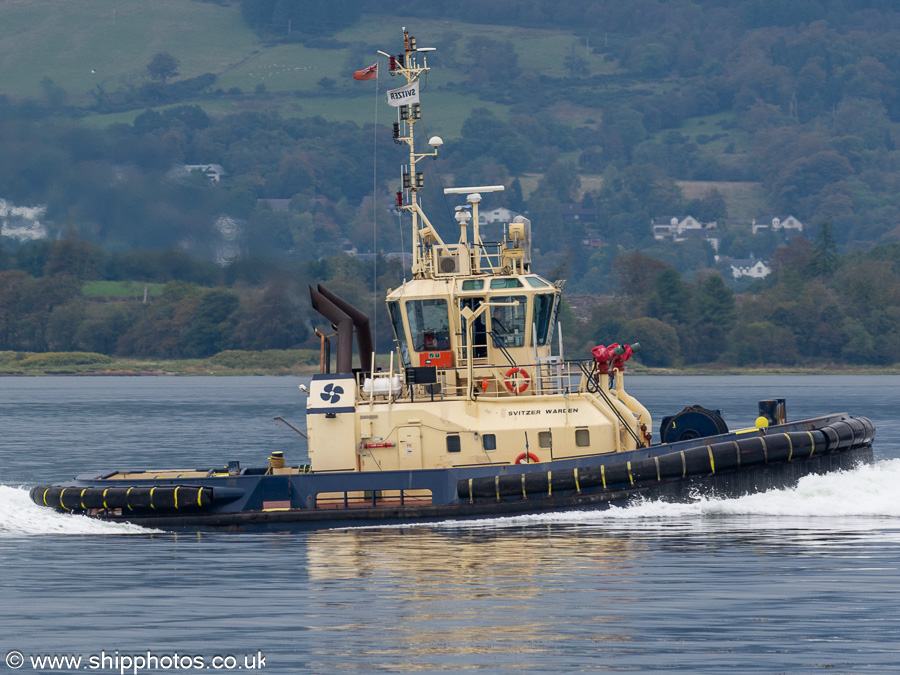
(176, 497)
(128, 492)
(45, 496)
(151, 497)
(712, 462)
(61, 499)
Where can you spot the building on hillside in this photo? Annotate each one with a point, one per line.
(213, 172)
(672, 229)
(576, 213)
(592, 239)
(776, 223)
(498, 215)
(346, 246)
(746, 267)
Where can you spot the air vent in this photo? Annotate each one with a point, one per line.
(448, 264)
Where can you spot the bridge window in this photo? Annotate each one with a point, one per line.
(508, 322)
(399, 331)
(583, 438)
(453, 444)
(489, 441)
(473, 284)
(429, 324)
(506, 283)
(545, 439)
(543, 311)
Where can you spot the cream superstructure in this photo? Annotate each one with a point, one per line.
(474, 378)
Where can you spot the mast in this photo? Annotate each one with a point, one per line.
(406, 100)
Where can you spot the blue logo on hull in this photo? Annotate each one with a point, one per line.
(332, 393)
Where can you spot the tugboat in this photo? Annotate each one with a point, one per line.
(476, 416)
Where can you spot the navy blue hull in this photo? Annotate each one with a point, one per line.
(726, 465)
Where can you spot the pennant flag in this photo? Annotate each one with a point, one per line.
(404, 95)
(369, 73)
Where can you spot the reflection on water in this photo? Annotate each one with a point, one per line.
(799, 580)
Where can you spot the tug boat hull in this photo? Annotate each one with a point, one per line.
(725, 465)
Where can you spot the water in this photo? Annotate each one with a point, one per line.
(799, 580)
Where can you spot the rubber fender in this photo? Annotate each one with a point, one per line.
(779, 448)
(753, 450)
(617, 474)
(155, 498)
(727, 455)
(699, 461)
(644, 471)
(672, 465)
(536, 482)
(693, 422)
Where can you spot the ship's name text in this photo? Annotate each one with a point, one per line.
(548, 411)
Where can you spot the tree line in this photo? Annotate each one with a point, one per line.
(818, 307)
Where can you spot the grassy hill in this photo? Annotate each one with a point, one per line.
(80, 45)
(95, 44)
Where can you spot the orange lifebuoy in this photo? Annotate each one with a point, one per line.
(527, 458)
(513, 373)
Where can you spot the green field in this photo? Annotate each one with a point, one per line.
(80, 45)
(93, 44)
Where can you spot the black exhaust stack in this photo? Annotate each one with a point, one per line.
(344, 317)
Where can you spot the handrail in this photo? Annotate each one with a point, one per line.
(595, 388)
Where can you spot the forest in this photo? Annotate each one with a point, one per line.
(650, 99)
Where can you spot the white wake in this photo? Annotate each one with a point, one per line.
(866, 496)
(19, 516)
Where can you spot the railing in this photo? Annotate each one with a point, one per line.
(548, 377)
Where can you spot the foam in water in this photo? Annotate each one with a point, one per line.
(19, 516)
(865, 492)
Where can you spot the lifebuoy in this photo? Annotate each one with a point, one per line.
(527, 458)
(522, 375)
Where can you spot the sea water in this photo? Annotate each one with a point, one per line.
(799, 580)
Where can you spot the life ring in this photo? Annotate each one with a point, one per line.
(523, 375)
(527, 458)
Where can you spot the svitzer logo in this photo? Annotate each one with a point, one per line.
(332, 393)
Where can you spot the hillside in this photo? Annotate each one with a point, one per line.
(599, 117)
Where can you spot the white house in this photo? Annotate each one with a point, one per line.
(213, 172)
(775, 223)
(755, 269)
(672, 228)
(501, 215)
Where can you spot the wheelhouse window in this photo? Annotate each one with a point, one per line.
(542, 315)
(399, 331)
(506, 283)
(429, 324)
(508, 322)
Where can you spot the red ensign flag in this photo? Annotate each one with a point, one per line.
(369, 73)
